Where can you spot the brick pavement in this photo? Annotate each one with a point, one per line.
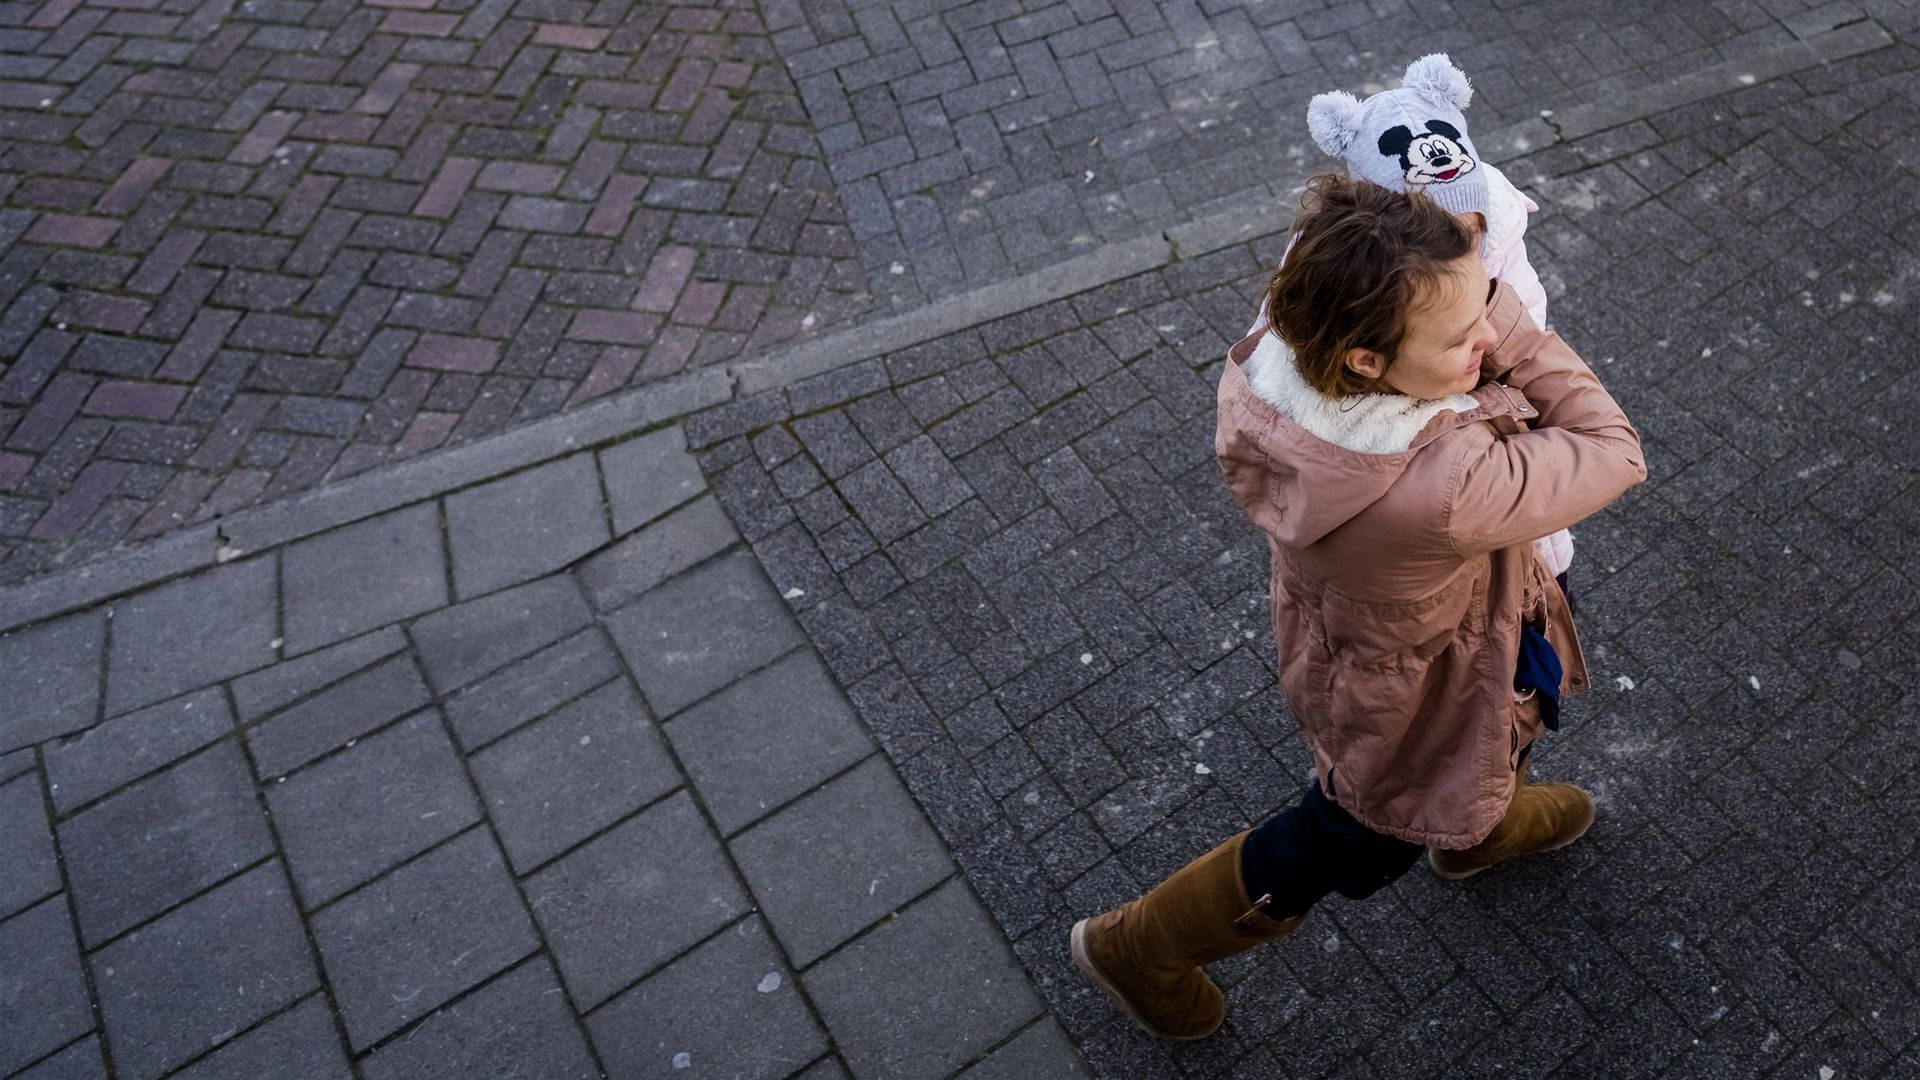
(476, 788)
(974, 140)
(248, 248)
(1009, 544)
(1014, 547)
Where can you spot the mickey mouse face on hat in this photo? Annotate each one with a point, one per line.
(1435, 156)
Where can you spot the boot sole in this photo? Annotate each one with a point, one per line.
(1085, 963)
(1447, 875)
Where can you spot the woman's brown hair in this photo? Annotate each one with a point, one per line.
(1361, 255)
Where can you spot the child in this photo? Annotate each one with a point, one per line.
(1415, 139)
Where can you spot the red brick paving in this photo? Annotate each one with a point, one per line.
(244, 255)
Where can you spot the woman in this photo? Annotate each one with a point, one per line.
(1401, 433)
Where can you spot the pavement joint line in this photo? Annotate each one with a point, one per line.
(633, 411)
(1534, 135)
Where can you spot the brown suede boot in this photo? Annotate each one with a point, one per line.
(1541, 817)
(1147, 954)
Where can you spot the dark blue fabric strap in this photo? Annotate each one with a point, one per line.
(1539, 671)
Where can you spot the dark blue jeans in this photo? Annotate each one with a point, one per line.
(1313, 848)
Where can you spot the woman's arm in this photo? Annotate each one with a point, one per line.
(1582, 454)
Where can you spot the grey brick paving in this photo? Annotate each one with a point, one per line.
(457, 844)
(406, 944)
(701, 631)
(953, 528)
(461, 643)
(124, 870)
(892, 1020)
(26, 846)
(51, 699)
(615, 908)
(189, 980)
(364, 576)
(81, 1061)
(517, 1025)
(647, 476)
(302, 1042)
(563, 779)
(767, 738)
(834, 862)
(336, 715)
(736, 974)
(262, 692)
(84, 766)
(1080, 693)
(525, 525)
(186, 635)
(46, 1001)
(386, 797)
(532, 687)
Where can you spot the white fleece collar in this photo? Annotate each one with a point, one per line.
(1366, 423)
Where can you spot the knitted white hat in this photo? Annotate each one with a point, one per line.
(1410, 139)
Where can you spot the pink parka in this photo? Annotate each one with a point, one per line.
(1403, 570)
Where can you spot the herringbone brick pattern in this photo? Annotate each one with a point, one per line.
(1015, 548)
(975, 139)
(250, 247)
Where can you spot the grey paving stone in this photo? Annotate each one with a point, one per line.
(559, 781)
(43, 989)
(701, 631)
(262, 692)
(646, 890)
(188, 981)
(689, 535)
(763, 1031)
(517, 1026)
(534, 686)
(826, 1069)
(346, 710)
(767, 738)
(363, 576)
(826, 867)
(890, 1020)
(933, 481)
(648, 475)
(389, 796)
(515, 529)
(50, 678)
(81, 1061)
(416, 938)
(83, 767)
(461, 643)
(26, 845)
(160, 841)
(192, 633)
(15, 763)
(302, 1043)
(1041, 1050)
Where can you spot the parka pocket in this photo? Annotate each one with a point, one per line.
(1388, 637)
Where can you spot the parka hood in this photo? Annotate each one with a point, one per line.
(1302, 463)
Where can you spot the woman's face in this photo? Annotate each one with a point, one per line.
(1447, 334)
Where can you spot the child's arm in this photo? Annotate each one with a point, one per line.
(1505, 243)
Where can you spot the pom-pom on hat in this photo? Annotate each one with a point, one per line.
(1410, 139)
